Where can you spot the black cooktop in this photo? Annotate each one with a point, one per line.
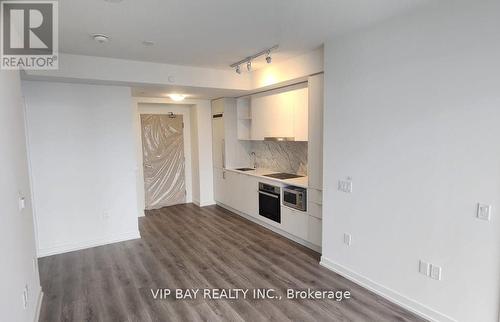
(282, 176)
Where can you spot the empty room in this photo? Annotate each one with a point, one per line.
(228, 160)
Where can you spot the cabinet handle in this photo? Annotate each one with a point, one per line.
(223, 153)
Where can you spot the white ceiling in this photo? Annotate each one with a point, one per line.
(213, 33)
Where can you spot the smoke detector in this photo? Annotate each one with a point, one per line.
(100, 38)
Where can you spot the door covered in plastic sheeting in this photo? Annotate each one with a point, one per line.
(163, 156)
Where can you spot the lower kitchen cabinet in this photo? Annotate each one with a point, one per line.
(314, 233)
(237, 191)
(232, 185)
(314, 209)
(219, 186)
(294, 222)
(248, 188)
(240, 192)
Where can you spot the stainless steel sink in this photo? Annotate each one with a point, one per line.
(245, 169)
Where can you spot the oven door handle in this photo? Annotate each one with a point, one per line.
(269, 194)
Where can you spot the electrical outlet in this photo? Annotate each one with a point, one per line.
(424, 268)
(347, 239)
(483, 212)
(27, 292)
(435, 272)
(25, 299)
(22, 203)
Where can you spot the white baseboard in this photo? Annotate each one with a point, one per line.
(203, 203)
(275, 229)
(387, 293)
(69, 247)
(38, 305)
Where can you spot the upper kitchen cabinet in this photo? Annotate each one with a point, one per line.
(281, 113)
(227, 151)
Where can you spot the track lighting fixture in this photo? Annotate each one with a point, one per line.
(249, 59)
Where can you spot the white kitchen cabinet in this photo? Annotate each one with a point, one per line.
(294, 222)
(280, 113)
(220, 190)
(315, 159)
(218, 142)
(244, 118)
(315, 130)
(227, 151)
(315, 209)
(237, 191)
(248, 187)
(272, 116)
(301, 114)
(314, 232)
(231, 187)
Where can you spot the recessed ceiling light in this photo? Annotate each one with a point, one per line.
(100, 38)
(148, 43)
(177, 97)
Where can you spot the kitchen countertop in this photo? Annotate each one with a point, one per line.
(260, 173)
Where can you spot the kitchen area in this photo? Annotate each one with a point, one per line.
(267, 156)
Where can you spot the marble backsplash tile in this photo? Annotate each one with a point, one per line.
(289, 157)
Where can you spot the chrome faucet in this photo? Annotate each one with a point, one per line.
(254, 157)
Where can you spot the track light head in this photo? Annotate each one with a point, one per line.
(268, 57)
(248, 60)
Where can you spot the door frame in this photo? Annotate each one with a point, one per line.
(162, 109)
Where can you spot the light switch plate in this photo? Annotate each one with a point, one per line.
(424, 268)
(345, 186)
(483, 212)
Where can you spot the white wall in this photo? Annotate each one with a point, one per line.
(202, 112)
(83, 161)
(152, 108)
(299, 67)
(412, 115)
(17, 240)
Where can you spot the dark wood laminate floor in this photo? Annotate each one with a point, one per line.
(189, 247)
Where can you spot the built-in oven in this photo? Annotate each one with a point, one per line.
(295, 197)
(270, 202)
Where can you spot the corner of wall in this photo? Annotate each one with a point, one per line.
(387, 293)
